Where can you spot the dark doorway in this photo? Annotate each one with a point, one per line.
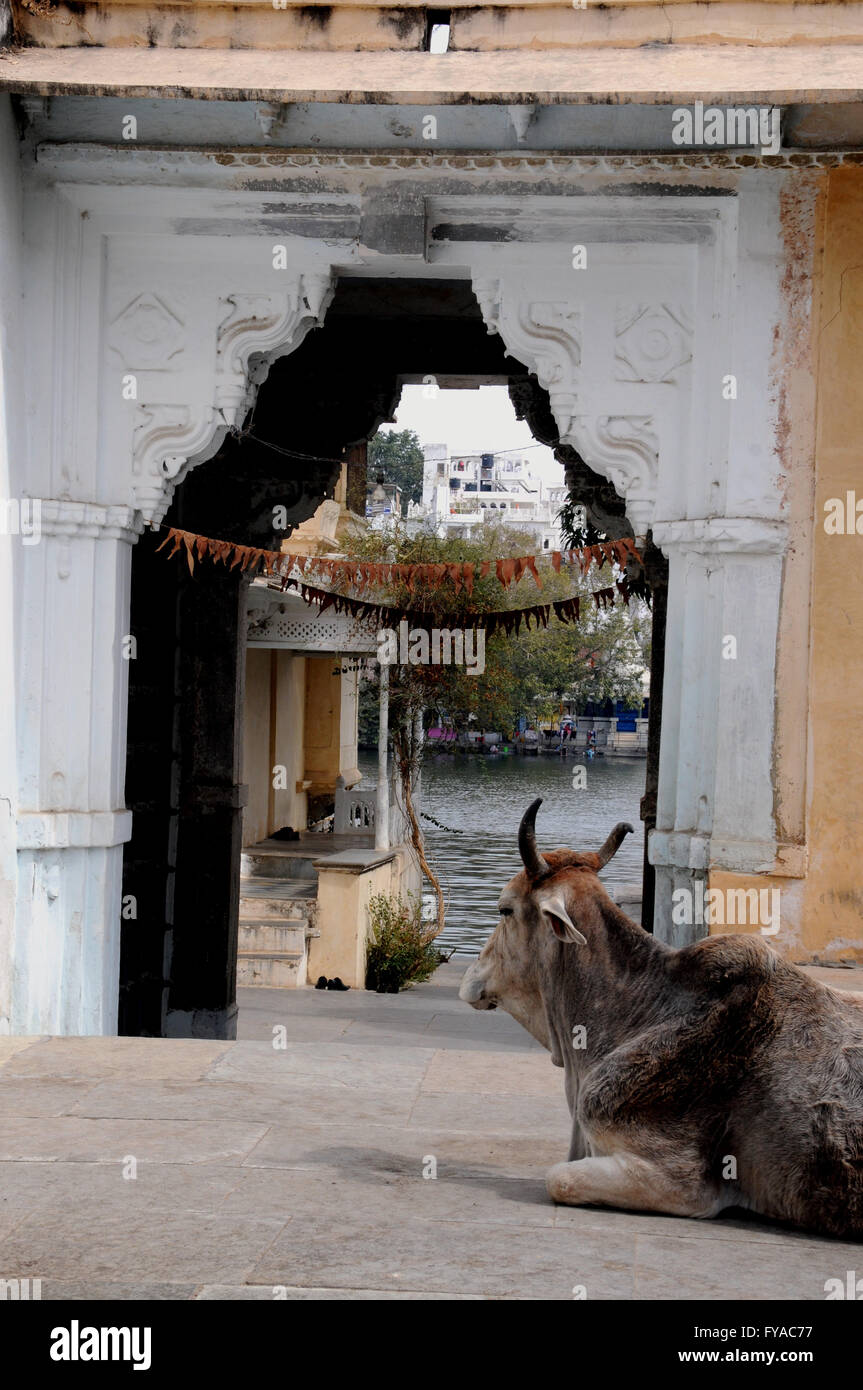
(317, 408)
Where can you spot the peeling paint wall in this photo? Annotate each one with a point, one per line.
(834, 888)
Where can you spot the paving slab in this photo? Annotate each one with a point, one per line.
(509, 1261)
(314, 1065)
(493, 1073)
(267, 1293)
(740, 1269)
(75, 1137)
(335, 1193)
(10, 1046)
(268, 1105)
(138, 1058)
(92, 1291)
(37, 1095)
(201, 1187)
(395, 1149)
(492, 1114)
(92, 1242)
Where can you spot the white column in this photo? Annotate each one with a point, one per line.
(11, 433)
(72, 684)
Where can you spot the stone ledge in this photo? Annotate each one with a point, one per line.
(354, 861)
(678, 73)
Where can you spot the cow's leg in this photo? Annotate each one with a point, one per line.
(632, 1182)
(577, 1144)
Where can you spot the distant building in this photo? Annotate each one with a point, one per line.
(465, 490)
(383, 502)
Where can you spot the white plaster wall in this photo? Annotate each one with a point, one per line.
(10, 438)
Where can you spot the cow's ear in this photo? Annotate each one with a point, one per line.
(554, 910)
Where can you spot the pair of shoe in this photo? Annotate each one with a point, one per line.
(324, 983)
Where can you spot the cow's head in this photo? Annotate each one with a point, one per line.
(556, 896)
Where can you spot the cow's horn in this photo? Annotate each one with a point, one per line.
(614, 841)
(531, 857)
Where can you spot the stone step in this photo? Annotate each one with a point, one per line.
(272, 969)
(273, 935)
(280, 908)
(273, 864)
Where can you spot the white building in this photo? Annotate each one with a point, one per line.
(465, 490)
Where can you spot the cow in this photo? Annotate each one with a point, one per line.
(712, 1076)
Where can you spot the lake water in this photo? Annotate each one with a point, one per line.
(484, 798)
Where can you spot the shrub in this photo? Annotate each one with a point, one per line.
(400, 949)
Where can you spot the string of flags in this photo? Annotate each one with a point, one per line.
(509, 620)
(360, 575)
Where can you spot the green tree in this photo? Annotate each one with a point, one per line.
(398, 456)
(602, 655)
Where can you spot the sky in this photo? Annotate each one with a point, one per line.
(473, 422)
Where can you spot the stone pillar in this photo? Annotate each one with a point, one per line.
(715, 796)
(73, 606)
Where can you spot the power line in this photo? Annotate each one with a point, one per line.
(323, 458)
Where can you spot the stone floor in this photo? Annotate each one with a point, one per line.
(302, 1168)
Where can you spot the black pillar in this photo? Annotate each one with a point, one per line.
(656, 573)
(201, 947)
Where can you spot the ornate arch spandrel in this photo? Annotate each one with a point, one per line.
(252, 330)
(547, 334)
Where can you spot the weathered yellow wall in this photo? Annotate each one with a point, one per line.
(273, 735)
(343, 917)
(342, 921)
(323, 723)
(833, 901)
(290, 805)
(256, 745)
